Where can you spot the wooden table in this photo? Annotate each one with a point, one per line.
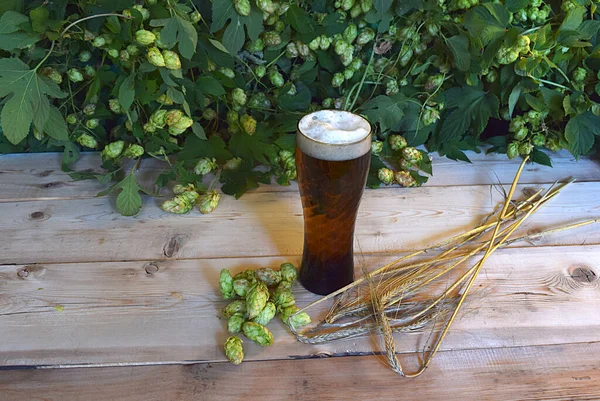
(130, 304)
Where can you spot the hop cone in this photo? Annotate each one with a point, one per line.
(385, 175)
(179, 188)
(258, 333)
(226, 284)
(268, 276)
(241, 286)
(115, 106)
(85, 56)
(208, 202)
(232, 164)
(288, 272)
(164, 100)
(265, 315)
(284, 284)
(205, 166)
(405, 179)
(180, 204)
(301, 319)
(113, 150)
(397, 142)
(256, 299)
(155, 57)
(376, 147)
(239, 96)
(172, 61)
(411, 155)
(191, 196)
(144, 37)
(234, 350)
(173, 116)
(158, 119)
(75, 75)
(87, 140)
(246, 275)
(235, 322)
(133, 151)
(237, 306)
(72, 119)
(283, 298)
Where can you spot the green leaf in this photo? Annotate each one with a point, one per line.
(129, 201)
(459, 46)
(487, 22)
(218, 45)
(539, 157)
(39, 17)
(56, 127)
(252, 147)
(388, 111)
(198, 130)
(299, 101)
(10, 21)
(25, 90)
(196, 148)
(234, 35)
(573, 19)
(381, 6)
(513, 99)
(178, 31)
(469, 107)
(580, 131)
(210, 86)
(127, 92)
(238, 182)
(299, 19)
(515, 5)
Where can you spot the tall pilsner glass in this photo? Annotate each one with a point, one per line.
(333, 158)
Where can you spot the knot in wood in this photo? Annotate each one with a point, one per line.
(151, 268)
(584, 275)
(37, 215)
(172, 247)
(23, 272)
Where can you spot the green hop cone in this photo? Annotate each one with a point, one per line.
(385, 175)
(248, 124)
(172, 61)
(397, 142)
(145, 13)
(113, 150)
(350, 33)
(347, 4)
(266, 315)
(85, 56)
(155, 57)
(256, 299)
(191, 196)
(209, 114)
(228, 72)
(241, 287)
(430, 116)
(89, 71)
(180, 204)
(291, 51)
(337, 80)
(301, 319)
(276, 78)
(539, 139)
(254, 46)
(72, 119)
(115, 106)
(411, 155)
(237, 306)
(99, 41)
(234, 350)
(268, 6)
(113, 53)
(75, 75)
(232, 164)
(525, 148)
(271, 38)
(207, 202)
(180, 188)
(149, 128)
(92, 123)
(376, 147)
(348, 73)
(434, 82)
(235, 322)
(268, 276)
(260, 71)
(195, 16)
(327, 103)
(144, 37)
(89, 109)
(258, 333)
(242, 7)
(133, 50)
(52, 74)
(239, 96)
(579, 74)
(365, 36)
(133, 151)
(172, 117)
(288, 272)
(283, 298)
(205, 166)
(226, 284)
(159, 118)
(521, 134)
(87, 140)
(315, 44)
(246, 275)
(165, 100)
(405, 179)
(366, 5)
(284, 284)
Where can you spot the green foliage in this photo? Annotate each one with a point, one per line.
(228, 80)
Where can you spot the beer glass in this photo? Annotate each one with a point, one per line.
(333, 154)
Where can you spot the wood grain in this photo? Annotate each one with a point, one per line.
(25, 177)
(562, 372)
(268, 224)
(167, 311)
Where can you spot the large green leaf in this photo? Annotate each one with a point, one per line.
(55, 126)
(580, 132)
(459, 46)
(299, 19)
(129, 201)
(487, 22)
(177, 30)
(388, 111)
(127, 92)
(25, 90)
(234, 35)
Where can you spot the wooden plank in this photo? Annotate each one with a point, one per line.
(118, 313)
(38, 176)
(267, 224)
(563, 372)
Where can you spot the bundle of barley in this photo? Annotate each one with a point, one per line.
(415, 290)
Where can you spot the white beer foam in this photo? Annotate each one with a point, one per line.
(334, 135)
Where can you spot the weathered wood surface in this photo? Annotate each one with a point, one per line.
(563, 372)
(268, 224)
(39, 176)
(117, 313)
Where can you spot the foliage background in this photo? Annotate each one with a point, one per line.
(452, 75)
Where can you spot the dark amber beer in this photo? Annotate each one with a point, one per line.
(332, 158)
